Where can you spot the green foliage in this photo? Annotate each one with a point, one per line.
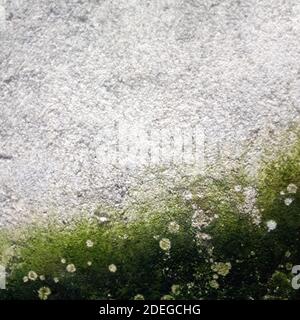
(215, 238)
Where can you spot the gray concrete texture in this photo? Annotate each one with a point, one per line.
(70, 68)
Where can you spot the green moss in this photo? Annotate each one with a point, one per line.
(217, 230)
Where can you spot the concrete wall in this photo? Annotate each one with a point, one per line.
(69, 69)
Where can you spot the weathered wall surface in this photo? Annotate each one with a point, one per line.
(70, 68)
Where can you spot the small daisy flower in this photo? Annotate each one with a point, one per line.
(25, 279)
(271, 225)
(44, 292)
(173, 227)
(55, 279)
(112, 268)
(32, 275)
(292, 188)
(89, 243)
(63, 261)
(165, 244)
(42, 278)
(288, 201)
(89, 263)
(71, 268)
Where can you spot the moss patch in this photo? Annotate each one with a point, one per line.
(214, 238)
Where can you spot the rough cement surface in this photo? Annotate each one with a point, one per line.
(70, 68)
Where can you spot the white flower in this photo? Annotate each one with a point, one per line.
(112, 268)
(292, 188)
(214, 284)
(271, 225)
(44, 292)
(25, 279)
(89, 243)
(55, 279)
(282, 193)
(42, 278)
(63, 261)
(89, 263)
(173, 227)
(139, 297)
(221, 268)
(71, 268)
(32, 275)
(288, 201)
(165, 244)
